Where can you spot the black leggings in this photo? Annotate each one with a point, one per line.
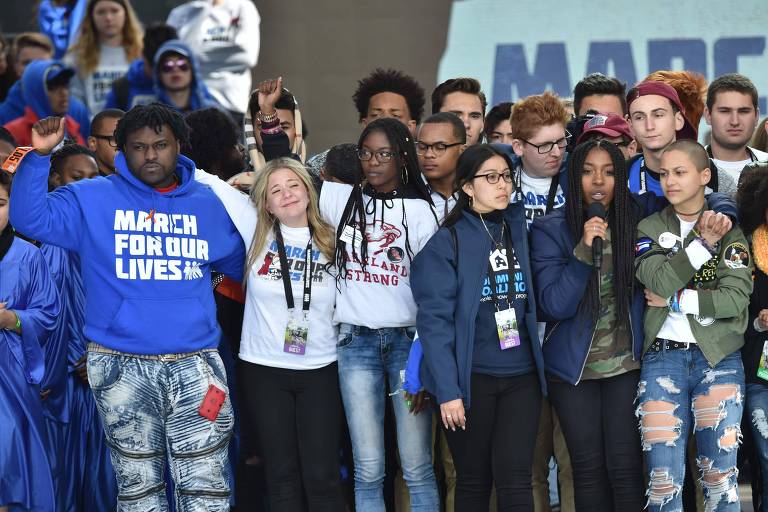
(297, 414)
(600, 428)
(497, 446)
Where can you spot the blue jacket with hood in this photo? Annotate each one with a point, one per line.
(61, 23)
(199, 97)
(13, 107)
(146, 257)
(560, 281)
(447, 281)
(140, 88)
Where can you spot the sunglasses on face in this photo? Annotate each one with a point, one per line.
(171, 64)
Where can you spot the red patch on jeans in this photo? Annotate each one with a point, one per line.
(212, 403)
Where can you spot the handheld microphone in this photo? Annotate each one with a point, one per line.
(597, 210)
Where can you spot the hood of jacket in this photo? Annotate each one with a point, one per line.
(185, 172)
(199, 97)
(34, 89)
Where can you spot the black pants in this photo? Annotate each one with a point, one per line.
(497, 446)
(600, 429)
(297, 414)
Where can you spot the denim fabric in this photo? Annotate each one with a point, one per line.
(679, 391)
(149, 409)
(757, 409)
(367, 359)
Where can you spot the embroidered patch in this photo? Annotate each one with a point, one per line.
(736, 256)
(643, 245)
(12, 162)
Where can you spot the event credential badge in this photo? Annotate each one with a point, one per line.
(296, 334)
(506, 326)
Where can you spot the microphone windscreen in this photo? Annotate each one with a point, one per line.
(596, 210)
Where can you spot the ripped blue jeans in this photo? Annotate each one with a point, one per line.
(149, 410)
(679, 391)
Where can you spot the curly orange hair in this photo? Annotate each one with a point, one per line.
(533, 112)
(691, 87)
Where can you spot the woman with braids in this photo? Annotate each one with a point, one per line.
(482, 354)
(752, 197)
(110, 39)
(594, 326)
(288, 345)
(380, 226)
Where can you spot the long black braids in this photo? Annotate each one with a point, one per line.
(623, 216)
(411, 185)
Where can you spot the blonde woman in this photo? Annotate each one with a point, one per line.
(288, 345)
(110, 38)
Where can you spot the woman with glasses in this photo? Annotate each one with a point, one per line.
(594, 333)
(110, 38)
(477, 324)
(381, 224)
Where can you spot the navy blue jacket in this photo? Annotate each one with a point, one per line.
(447, 293)
(561, 281)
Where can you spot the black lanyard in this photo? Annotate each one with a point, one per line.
(552, 193)
(284, 270)
(505, 242)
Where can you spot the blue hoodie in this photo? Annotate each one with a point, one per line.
(146, 257)
(200, 97)
(141, 88)
(14, 104)
(61, 23)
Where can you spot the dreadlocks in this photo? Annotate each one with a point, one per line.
(154, 116)
(411, 185)
(623, 216)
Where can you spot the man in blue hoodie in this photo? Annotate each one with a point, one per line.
(177, 81)
(148, 238)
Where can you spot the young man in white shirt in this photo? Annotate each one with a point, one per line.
(733, 114)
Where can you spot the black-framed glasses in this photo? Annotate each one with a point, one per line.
(438, 148)
(546, 147)
(109, 138)
(382, 156)
(494, 177)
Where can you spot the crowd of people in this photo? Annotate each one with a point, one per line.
(197, 312)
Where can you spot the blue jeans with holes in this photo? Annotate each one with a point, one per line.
(757, 409)
(679, 391)
(149, 410)
(367, 359)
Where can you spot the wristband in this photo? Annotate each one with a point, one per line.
(674, 302)
(267, 118)
(17, 325)
(712, 250)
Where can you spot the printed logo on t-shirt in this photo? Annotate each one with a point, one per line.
(536, 204)
(102, 83)
(386, 254)
(499, 263)
(158, 246)
(269, 268)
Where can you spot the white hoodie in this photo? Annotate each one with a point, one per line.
(225, 39)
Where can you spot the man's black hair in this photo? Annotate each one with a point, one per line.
(599, 84)
(462, 84)
(623, 216)
(286, 101)
(389, 80)
(59, 157)
(459, 131)
(5, 181)
(7, 136)
(154, 37)
(154, 116)
(731, 82)
(212, 135)
(497, 114)
(342, 163)
(110, 113)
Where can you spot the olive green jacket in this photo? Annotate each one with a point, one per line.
(724, 284)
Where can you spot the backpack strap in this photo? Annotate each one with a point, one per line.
(455, 238)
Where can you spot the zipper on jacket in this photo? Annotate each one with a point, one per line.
(599, 305)
(549, 334)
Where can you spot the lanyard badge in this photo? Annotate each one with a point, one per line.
(499, 261)
(297, 330)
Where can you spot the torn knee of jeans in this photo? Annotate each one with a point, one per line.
(662, 488)
(730, 439)
(709, 408)
(760, 422)
(718, 484)
(658, 423)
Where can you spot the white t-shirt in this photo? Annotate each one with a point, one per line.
(535, 192)
(443, 205)
(379, 296)
(676, 326)
(734, 168)
(266, 313)
(93, 89)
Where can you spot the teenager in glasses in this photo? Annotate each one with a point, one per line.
(177, 82)
(102, 139)
(477, 323)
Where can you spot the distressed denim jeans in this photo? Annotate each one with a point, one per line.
(367, 359)
(757, 409)
(149, 410)
(679, 391)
